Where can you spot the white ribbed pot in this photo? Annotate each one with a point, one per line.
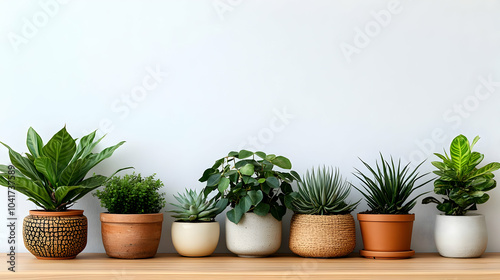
(461, 236)
(195, 239)
(254, 235)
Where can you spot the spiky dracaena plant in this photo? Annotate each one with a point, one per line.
(194, 207)
(323, 192)
(389, 191)
(53, 175)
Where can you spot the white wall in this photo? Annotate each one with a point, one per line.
(294, 78)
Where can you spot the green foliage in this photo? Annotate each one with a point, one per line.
(248, 181)
(53, 175)
(323, 192)
(194, 207)
(463, 184)
(132, 194)
(390, 188)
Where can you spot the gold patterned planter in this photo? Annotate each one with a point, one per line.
(55, 235)
(320, 236)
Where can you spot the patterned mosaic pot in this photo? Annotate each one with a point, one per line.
(55, 235)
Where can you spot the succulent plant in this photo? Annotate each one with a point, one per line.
(195, 207)
(323, 192)
(390, 188)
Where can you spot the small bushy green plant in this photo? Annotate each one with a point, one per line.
(132, 194)
(389, 189)
(323, 192)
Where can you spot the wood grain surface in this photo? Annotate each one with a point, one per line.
(172, 266)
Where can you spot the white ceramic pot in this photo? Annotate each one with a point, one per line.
(461, 236)
(254, 235)
(195, 239)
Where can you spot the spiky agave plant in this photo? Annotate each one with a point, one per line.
(195, 207)
(323, 192)
(389, 191)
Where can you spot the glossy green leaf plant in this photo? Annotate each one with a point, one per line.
(323, 191)
(53, 175)
(388, 189)
(251, 184)
(460, 180)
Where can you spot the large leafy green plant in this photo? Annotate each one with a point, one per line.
(463, 184)
(250, 184)
(53, 175)
(390, 188)
(323, 192)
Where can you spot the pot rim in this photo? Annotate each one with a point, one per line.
(131, 218)
(45, 213)
(467, 215)
(194, 223)
(386, 217)
(334, 215)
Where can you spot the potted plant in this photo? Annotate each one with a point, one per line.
(195, 233)
(131, 229)
(53, 177)
(322, 225)
(386, 228)
(459, 234)
(257, 195)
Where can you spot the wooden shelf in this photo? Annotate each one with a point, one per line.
(172, 266)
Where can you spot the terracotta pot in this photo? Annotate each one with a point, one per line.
(254, 235)
(195, 239)
(55, 235)
(461, 236)
(386, 236)
(131, 236)
(322, 236)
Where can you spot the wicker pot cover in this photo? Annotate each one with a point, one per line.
(55, 235)
(320, 236)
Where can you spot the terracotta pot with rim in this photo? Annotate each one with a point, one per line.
(131, 236)
(386, 236)
(195, 239)
(55, 235)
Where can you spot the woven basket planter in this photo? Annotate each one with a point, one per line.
(320, 236)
